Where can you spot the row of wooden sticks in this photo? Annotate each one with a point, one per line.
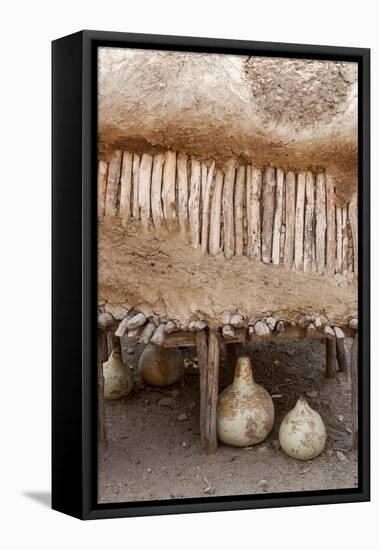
(269, 215)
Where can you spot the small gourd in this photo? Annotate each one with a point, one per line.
(245, 410)
(302, 433)
(118, 377)
(161, 366)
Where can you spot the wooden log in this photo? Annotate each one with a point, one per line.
(113, 180)
(239, 209)
(168, 189)
(330, 226)
(156, 191)
(144, 188)
(309, 221)
(320, 223)
(204, 176)
(275, 255)
(330, 356)
(206, 209)
(340, 335)
(195, 326)
(299, 222)
(353, 220)
(202, 357)
(268, 201)
(329, 333)
(182, 192)
(354, 390)
(179, 339)
(289, 243)
(215, 218)
(228, 208)
(135, 333)
(228, 332)
(339, 239)
(102, 175)
(194, 203)
(123, 326)
(345, 241)
(159, 335)
(135, 182)
(147, 333)
(254, 213)
(341, 355)
(126, 188)
(101, 358)
(237, 320)
(170, 327)
(136, 321)
(212, 390)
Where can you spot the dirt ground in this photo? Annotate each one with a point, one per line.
(153, 449)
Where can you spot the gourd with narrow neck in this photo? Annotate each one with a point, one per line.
(118, 377)
(245, 411)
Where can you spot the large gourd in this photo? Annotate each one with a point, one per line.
(302, 434)
(161, 366)
(118, 377)
(245, 410)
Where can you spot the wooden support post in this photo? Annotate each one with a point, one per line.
(101, 358)
(202, 355)
(354, 389)
(278, 216)
(353, 220)
(299, 222)
(114, 171)
(268, 202)
(253, 209)
(341, 354)
(144, 188)
(330, 226)
(194, 203)
(102, 175)
(126, 188)
(212, 390)
(156, 191)
(168, 189)
(320, 223)
(238, 209)
(330, 356)
(182, 192)
(308, 223)
(290, 219)
(206, 208)
(228, 208)
(135, 172)
(215, 218)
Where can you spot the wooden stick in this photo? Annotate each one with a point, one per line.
(212, 389)
(202, 356)
(254, 212)
(277, 216)
(101, 358)
(341, 354)
(353, 220)
(204, 176)
(144, 189)
(206, 208)
(182, 192)
(345, 241)
(102, 174)
(180, 339)
(156, 191)
(340, 335)
(320, 223)
(330, 355)
(215, 218)
(299, 222)
(268, 200)
(123, 326)
(135, 173)
(228, 208)
(329, 333)
(147, 333)
(354, 390)
(238, 209)
(114, 170)
(168, 190)
(330, 226)
(194, 203)
(339, 239)
(159, 335)
(289, 243)
(126, 187)
(308, 224)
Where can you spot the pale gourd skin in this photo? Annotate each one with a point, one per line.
(302, 433)
(245, 410)
(161, 366)
(118, 377)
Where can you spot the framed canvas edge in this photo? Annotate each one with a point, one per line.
(87, 506)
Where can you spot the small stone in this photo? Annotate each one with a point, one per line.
(182, 417)
(312, 394)
(130, 351)
(276, 363)
(341, 457)
(185, 444)
(262, 483)
(340, 418)
(263, 450)
(149, 470)
(167, 402)
(175, 392)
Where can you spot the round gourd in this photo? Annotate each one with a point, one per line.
(161, 366)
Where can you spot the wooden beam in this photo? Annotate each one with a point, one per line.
(212, 390)
(102, 174)
(180, 338)
(268, 201)
(289, 242)
(202, 356)
(114, 171)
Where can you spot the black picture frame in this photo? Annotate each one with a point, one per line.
(74, 333)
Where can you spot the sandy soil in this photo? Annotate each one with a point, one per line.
(153, 450)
